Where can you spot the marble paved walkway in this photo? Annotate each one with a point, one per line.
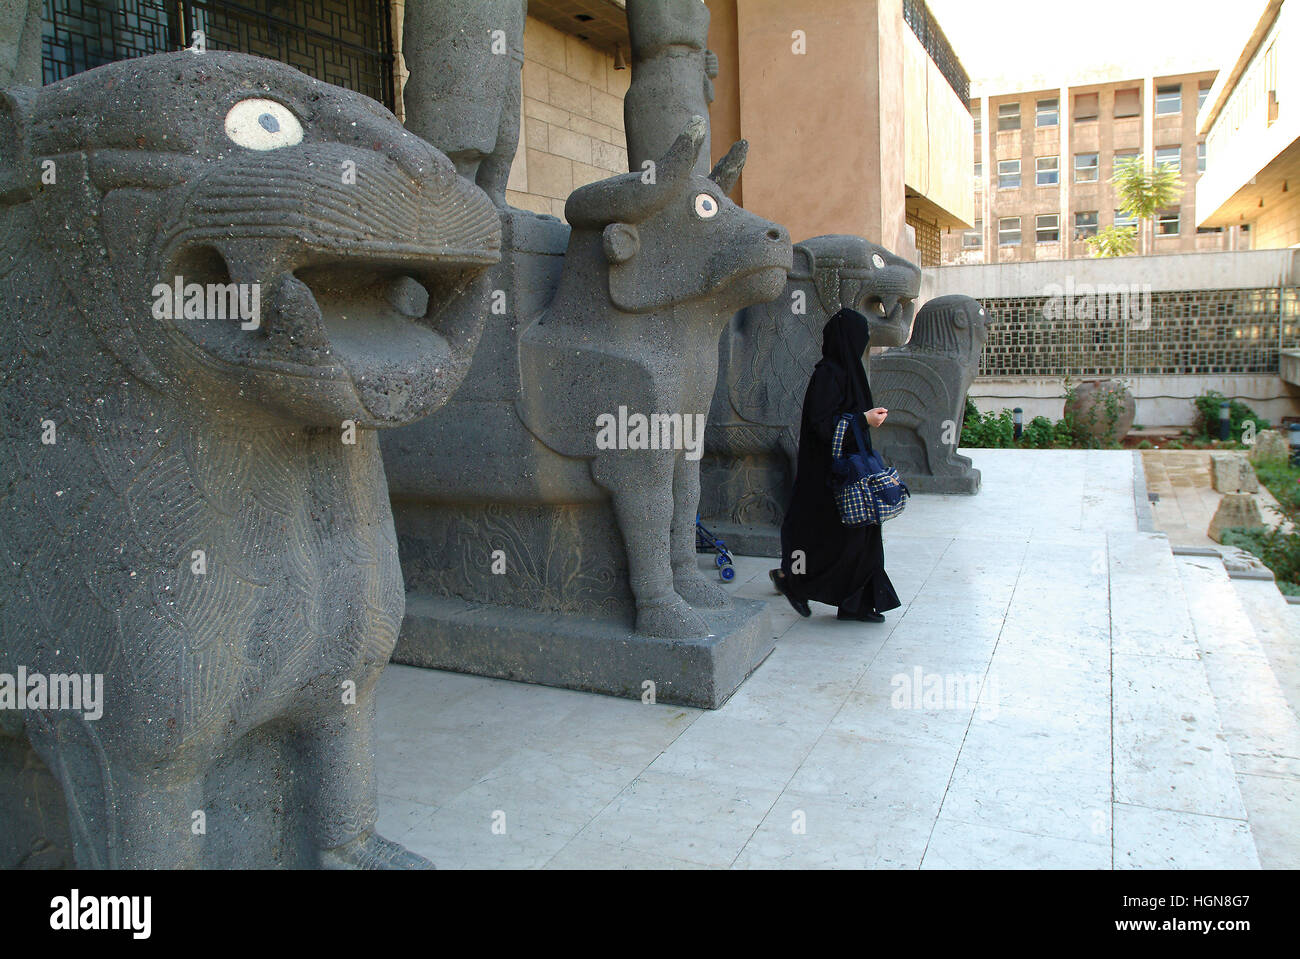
(1040, 701)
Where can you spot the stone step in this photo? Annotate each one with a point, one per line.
(1237, 622)
(1177, 799)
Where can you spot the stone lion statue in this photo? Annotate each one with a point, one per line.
(766, 356)
(924, 385)
(218, 278)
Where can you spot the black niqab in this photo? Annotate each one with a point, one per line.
(843, 566)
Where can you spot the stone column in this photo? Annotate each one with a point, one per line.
(987, 167)
(1066, 167)
(20, 43)
(1147, 228)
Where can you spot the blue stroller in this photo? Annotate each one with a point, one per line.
(706, 542)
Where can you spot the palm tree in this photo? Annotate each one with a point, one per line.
(1143, 192)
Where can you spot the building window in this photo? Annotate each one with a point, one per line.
(973, 239)
(1085, 225)
(1087, 106)
(1009, 231)
(1167, 223)
(1008, 174)
(1209, 229)
(1049, 113)
(1085, 167)
(1047, 171)
(1122, 157)
(1201, 93)
(977, 116)
(1125, 219)
(979, 171)
(1128, 103)
(1200, 157)
(1169, 100)
(1009, 116)
(1047, 228)
(1170, 157)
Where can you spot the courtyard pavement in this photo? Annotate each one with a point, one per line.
(1186, 497)
(1048, 696)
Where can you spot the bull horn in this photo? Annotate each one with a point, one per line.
(681, 157)
(628, 198)
(727, 172)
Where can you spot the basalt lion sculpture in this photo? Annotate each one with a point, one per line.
(765, 358)
(195, 507)
(924, 386)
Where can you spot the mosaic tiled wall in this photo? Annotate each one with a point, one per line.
(1204, 331)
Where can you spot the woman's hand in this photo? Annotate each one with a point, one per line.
(876, 417)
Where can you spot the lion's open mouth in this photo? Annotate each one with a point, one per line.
(370, 315)
(894, 310)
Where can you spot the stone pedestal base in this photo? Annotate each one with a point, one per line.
(594, 655)
(1236, 510)
(967, 483)
(749, 540)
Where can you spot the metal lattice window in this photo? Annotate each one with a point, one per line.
(345, 42)
(1202, 331)
(926, 28)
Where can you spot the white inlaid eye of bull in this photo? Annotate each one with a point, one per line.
(706, 207)
(878, 260)
(259, 124)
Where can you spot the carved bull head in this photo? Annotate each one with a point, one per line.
(671, 236)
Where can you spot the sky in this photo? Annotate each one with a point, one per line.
(1010, 44)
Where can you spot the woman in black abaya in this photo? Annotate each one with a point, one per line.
(839, 565)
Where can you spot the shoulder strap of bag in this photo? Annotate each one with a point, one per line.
(863, 446)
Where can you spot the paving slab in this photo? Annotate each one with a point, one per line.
(1041, 700)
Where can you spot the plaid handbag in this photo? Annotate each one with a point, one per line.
(867, 491)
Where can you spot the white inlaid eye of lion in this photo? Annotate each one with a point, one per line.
(706, 207)
(259, 124)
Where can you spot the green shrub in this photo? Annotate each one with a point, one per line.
(1278, 549)
(1039, 433)
(1207, 416)
(1144, 445)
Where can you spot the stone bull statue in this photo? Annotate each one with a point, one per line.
(218, 279)
(671, 260)
(650, 275)
(765, 358)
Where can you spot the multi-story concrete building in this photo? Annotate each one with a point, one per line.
(1044, 159)
(1251, 125)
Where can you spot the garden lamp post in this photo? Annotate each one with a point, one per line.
(1293, 439)
(1018, 417)
(1225, 422)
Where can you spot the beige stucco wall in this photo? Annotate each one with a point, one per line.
(572, 129)
(817, 160)
(1251, 153)
(939, 140)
